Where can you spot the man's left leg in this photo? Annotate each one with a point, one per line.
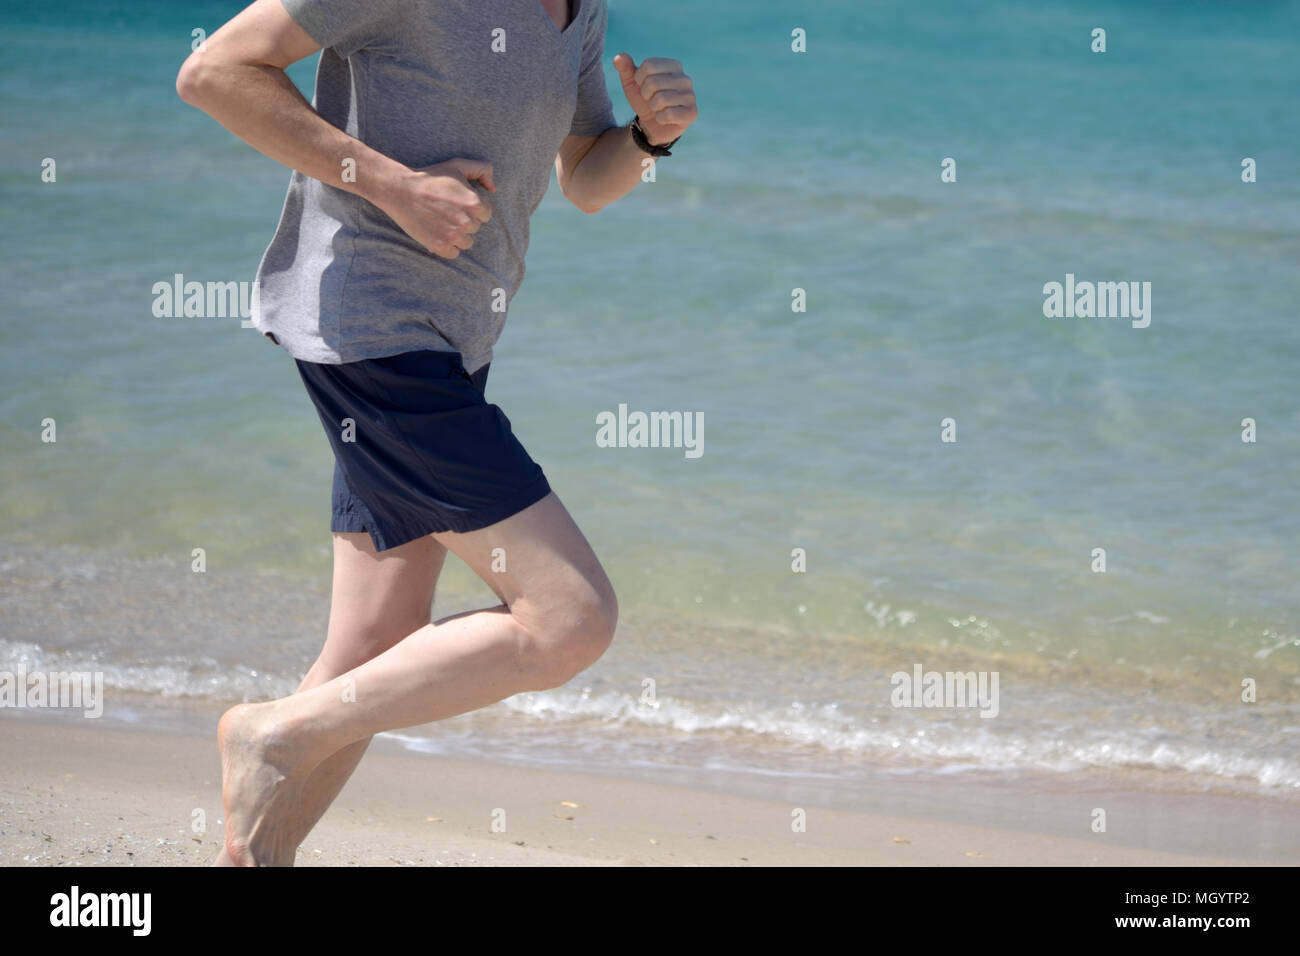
(378, 598)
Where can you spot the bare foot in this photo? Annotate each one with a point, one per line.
(262, 774)
(223, 858)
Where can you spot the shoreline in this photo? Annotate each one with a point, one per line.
(78, 795)
(166, 639)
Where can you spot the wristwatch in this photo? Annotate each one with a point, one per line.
(638, 137)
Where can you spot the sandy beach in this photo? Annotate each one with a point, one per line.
(79, 795)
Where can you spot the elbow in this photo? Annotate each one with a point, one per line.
(590, 208)
(575, 198)
(192, 78)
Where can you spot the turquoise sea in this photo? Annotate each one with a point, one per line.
(818, 171)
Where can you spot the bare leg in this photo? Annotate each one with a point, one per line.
(558, 618)
(377, 599)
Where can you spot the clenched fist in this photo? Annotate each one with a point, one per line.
(439, 208)
(662, 95)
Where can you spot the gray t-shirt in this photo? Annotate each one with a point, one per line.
(423, 81)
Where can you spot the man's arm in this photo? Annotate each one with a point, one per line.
(593, 171)
(237, 77)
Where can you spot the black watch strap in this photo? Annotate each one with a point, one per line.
(638, 137)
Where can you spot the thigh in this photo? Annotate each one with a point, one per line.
(378, 598)
(537, 561)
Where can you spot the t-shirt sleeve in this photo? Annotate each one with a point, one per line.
(344, 26)
(594, 113)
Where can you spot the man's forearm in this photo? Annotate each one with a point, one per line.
(608, 170)
(263, 107)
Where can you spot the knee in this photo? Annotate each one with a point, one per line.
(573, 634)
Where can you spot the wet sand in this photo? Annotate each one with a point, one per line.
(85, 794)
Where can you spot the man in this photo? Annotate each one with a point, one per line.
(425, 151)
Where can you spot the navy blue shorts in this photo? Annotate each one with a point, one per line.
(417, 448)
